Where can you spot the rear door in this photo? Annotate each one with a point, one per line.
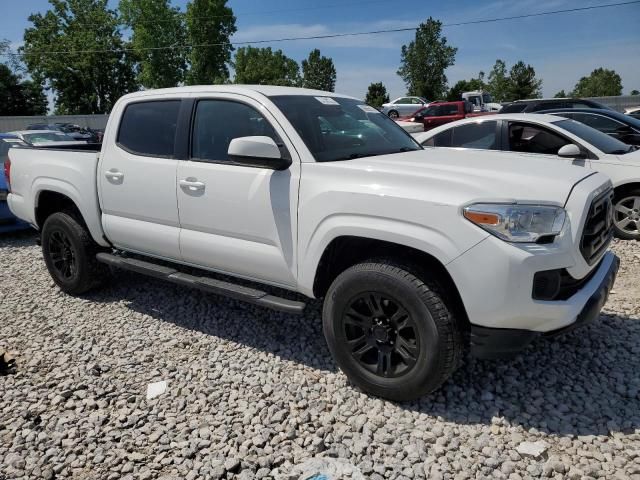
(137, 179)
(235, 218)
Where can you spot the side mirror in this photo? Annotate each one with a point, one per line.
(570, 150)
(258, 151)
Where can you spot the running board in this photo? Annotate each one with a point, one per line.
(207, 284)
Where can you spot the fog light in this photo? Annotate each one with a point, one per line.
(546, 285)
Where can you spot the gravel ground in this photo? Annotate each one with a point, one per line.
(254, 393)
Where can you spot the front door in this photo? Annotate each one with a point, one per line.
(237, 218)
(137, 180)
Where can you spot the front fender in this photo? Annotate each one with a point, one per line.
(420, 237)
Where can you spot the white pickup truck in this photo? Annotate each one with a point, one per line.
(419, 255)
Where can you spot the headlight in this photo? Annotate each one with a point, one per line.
(517, 223)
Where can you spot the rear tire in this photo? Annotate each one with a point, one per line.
(626, 215)
(390, 331)
(70, 254)
(393, 114)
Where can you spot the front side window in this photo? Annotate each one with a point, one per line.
(149, 128)
(598, 122)
(601, 141)
(531, 138)
(486, 98)
(481, 135)
(217, 122)
(416, 101)
(336, 128)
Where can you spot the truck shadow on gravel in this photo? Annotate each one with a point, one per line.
(584, 383)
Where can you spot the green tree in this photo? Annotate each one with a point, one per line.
(318, 72)
(522, 82)
(18, 96)
(561, 94)
(91, 68)
(635, 92)
(376, 95)
(265, 67)
(424, 61)
(155, 24)
(210, 23)
(455, 92)
(498, 81)
(600, 83)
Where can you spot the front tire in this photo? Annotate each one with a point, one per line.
(390, 331)
(626, 215)
(70, 254)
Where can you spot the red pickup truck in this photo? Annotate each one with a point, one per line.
(439, 113)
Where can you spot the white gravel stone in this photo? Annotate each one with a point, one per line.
(255, 394)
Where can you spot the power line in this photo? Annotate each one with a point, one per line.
(327, 36)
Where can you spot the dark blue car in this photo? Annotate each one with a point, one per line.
(8, 222)
(615, 124)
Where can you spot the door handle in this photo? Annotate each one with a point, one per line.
(191, 184)
(114, 174)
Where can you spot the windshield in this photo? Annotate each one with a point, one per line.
(486, 98)
(335, 128)
(47, 137)
(601, 141)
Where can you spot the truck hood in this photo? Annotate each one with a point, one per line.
(463, 176)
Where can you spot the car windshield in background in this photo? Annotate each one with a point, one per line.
(335, 128)
(601, 141)
(48, 137)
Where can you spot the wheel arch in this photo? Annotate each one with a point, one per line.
(348, 250)
(52, 198)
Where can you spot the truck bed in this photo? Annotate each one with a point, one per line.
(69, 170)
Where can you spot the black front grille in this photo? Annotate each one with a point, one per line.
(598, 228)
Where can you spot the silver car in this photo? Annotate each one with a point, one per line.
(403, 106)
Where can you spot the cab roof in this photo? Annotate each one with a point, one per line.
(266, 90)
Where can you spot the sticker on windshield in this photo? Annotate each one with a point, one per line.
(327, 101)
(368, 109)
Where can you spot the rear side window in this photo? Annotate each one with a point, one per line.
(149, 128)
(448, 110)
(547, 106)
(514, 108)
(481, 135)
(443, 139)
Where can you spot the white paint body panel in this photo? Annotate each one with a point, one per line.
(273, 226)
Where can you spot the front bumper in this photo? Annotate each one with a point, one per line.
(500, 342)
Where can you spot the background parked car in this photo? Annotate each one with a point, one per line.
(75, 131)
(552, 136)
(403, 106)
(437, 114)
(8, 221)
(633, 112)
(618, 125)
(537, 104)
(45, 137)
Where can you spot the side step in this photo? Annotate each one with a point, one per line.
(206, 284)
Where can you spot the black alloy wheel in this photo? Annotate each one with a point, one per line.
(63, 255)
(381, 334)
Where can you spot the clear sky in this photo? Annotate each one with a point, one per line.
(562, 47)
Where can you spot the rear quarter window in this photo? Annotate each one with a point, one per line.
(149, 128)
